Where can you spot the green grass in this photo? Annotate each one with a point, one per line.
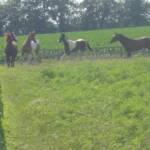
(2, 137)
(77, 105)
(96, 38)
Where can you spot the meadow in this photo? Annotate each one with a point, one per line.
(79, 103)
(100, 104)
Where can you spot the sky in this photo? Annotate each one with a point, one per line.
(6, 0)
(79, 0)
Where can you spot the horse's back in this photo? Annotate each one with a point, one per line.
(81, 44)
(80, 40)
(145, 41)
(141, 43)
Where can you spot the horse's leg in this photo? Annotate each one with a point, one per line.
(33, 56)
(25, 58)
(22, 58)
(29, 58)
(89, 47)
(129, 53)
(8, 61)
(62, 57)
(13, 61)
(38, 54)
(74, 50)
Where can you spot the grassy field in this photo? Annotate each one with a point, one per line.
(76, 105)
(96, 38)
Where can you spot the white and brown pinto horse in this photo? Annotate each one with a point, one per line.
(72, 46)
(31, 48)
(11, 49)
(131, 45)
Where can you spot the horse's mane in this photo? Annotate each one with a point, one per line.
(125, 37)
(31, 36)
(8, 37)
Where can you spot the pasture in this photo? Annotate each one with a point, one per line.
(76, 105)
(96, 38)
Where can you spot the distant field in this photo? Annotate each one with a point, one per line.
(96, 38)
(76, 105)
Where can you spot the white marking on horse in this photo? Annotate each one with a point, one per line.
(34, 44)
(80, 40)
(72, 44)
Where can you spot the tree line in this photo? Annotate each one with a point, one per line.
(43, 16)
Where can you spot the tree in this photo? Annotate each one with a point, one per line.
(59, 11)
(89, 11)
(23, 16)
(12, 15)
(2, 18)
(34, 17)
(98, 13)
(135, 11)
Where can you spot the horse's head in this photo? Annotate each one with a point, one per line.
(32, 36)
(115, 38)
(11, 38)
(8, 37)
(61, 38)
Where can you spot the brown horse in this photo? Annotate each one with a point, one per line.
(10, 49)
(31, 48)
(71, 46)
(131, 45)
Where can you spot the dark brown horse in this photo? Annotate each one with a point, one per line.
(31, 48)
(71, 46)
(131, 45)
(10, 49)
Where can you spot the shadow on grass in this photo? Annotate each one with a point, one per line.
(2, 137)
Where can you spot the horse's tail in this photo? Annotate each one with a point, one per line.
(89, 47)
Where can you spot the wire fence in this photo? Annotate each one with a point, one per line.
(101, 51)
(97, 51)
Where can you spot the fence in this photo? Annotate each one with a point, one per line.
(101, 51)
(98, 51)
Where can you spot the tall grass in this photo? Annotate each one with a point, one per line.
(78, 105)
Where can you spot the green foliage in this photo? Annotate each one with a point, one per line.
(44, 16)
(2, 137)
(78, 105)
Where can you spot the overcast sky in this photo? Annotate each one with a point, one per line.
(6, 0)
(79, 0)
(76, 0)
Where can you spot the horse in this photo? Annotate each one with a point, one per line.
(72, 46)
(11, 49)
(131, 45)
(31, 48)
